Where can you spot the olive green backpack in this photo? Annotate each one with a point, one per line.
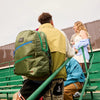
(31, 55)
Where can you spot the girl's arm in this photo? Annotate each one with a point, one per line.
(84, 42)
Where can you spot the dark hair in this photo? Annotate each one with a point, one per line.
(45, 18)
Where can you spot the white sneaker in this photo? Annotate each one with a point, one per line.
(77, 94)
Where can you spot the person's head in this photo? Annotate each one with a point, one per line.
(45, 18)
(37, 29)
(78, 26)
(84, 34)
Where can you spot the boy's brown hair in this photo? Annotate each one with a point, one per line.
(45, 18)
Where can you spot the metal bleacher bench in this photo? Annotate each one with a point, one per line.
(87, 85)
(9, 83)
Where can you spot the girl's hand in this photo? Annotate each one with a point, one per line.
(76, 51)
(72, 43)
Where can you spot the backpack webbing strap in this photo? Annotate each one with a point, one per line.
(22, 59)
(22, 45)
(44, 49)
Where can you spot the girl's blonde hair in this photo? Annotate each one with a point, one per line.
(80, 26)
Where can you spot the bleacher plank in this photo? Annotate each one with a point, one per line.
(9, 91)
(9, 83)
(94, 72)
(4, 96)
(91, 88)
(10, 86)
(95, 80)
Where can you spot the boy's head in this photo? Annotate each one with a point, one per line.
(45, 18)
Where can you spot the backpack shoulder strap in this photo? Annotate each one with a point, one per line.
(43, 49)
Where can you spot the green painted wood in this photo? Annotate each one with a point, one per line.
(91, 88)
(9, 91)
(95, 80)
(4, 96)
(10, 86)
(9, 83)
(87, 96)
(95, 70)
(46, 82)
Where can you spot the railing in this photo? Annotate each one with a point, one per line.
(87, 72)
(40, 89)
(9, 65)
(46, 82)
(7, 62)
